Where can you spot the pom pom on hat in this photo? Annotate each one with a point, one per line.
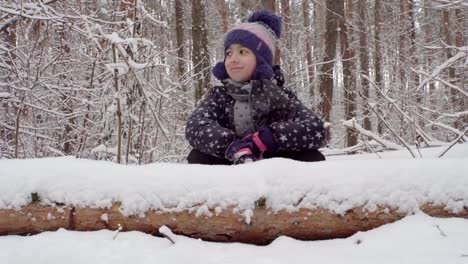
(268, 19)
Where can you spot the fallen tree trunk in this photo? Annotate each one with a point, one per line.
(225, 226)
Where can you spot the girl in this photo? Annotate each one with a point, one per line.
(252, 116)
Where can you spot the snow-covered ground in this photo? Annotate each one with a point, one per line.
(338, 184)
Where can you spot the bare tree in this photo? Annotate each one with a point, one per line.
(364, 59)
(308, 50)
(223, 9)
(179, 18)
(348, 63)
(326, 80)
(378, 53)
(200, 55)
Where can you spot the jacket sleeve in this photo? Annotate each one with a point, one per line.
(204, 130)
(301, 129)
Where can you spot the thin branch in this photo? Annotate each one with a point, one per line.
(370, 147)
(385, 143)
(442, 81)
(117, 231)
(152, 107)
(442, 233)
(167, 233)
(420, 132)
(452, 144)
(443, 66)
(390, 129)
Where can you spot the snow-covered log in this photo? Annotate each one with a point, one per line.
(253, 203)
(227, 226)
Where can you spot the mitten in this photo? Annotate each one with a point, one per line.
(240, 151)
(264, 141)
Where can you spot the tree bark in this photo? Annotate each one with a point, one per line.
(224, 14)
(451, 70)
(269, 5)
(308, 47)
(364, 58)
(200, 55)
(118, 112)
(378, 55)
(402, 66)
(460, 22)
(326, 79)
(226, 226)
(348, 64)
(286, 36)
(179, 19)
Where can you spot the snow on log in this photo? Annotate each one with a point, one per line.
(253, 203)
(227, 226)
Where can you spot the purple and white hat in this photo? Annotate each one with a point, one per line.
(260, 35)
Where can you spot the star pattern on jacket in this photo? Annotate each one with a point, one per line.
(210, 128)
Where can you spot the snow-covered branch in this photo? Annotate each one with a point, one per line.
(427, 139)
(460, 55)
(385, 143)
(440, 80)
(448, 4)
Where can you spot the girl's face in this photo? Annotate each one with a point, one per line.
(240, 63)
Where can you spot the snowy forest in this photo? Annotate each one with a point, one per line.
(116, 80)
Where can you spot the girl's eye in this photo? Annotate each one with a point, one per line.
(228, 53)
(243, 51)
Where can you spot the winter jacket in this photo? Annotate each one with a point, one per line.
(211, 128)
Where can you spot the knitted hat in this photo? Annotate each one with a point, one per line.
(259, 35)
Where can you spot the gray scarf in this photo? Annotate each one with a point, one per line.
(240, 91)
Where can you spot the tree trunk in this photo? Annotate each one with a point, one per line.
(119, 110)
(269, 5)
(402, 66)
(200, 53)
(364, 59)
(318, 34)
(179, 19)
(308, 47)
(460, 42)
(378, 56)
(226, 226)
(348, 63)
(326, 79)
(451, 70)
(223, 10)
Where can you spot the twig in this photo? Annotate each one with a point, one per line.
(369, 147)
(117, 231)
(419, 130)
(442, 233)
(158, 121)
(443, 66)
(442, 81)
(352, 124)
(167, 233)
(453, 143)
(416, 143)
(391, 130)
